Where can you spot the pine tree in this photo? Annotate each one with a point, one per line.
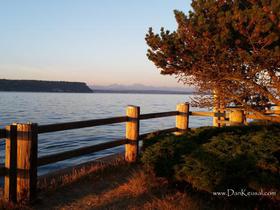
(230, 46)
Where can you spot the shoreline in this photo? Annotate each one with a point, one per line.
(110, 92)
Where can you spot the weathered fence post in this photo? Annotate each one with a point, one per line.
(27, 151)
(21, 162)
(222, 111)
(10, 183)
(182, 119)
(216, 108)
(132, 133)
(237, 117)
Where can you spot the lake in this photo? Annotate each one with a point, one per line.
(47, 108)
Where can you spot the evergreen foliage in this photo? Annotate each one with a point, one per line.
(217, 159)
(231, 46)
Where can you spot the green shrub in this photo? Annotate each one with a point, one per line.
(216, 159)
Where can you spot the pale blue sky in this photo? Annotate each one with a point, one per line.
(96, 41)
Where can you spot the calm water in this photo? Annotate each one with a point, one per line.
(46, 108)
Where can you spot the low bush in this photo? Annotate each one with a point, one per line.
(216, 159)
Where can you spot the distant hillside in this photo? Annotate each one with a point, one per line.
(43, 86)
(139, 88)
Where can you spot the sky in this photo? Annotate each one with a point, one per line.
(100, 42)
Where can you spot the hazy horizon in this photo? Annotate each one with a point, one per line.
(100, 43)
(110, 84)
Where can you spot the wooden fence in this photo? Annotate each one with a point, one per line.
(21, 143)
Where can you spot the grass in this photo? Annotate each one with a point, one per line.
(126, 186)
(119, 185)
(115, 184)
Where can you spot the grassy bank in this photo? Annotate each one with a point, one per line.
(123, 186)
(175, 173)
(117, 185)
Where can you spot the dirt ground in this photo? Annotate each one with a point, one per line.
(119, 187)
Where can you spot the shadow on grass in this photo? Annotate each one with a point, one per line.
(100, 180)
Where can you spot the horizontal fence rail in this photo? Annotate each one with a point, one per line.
(207, 114)
(22, 161)
(79, 152)
(274, 119)
(49, 159)
(202, 114)
(158, 115)
(91, 123)
(80, 124)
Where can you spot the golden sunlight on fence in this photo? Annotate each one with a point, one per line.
(21, 148)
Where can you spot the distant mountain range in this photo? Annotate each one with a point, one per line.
(81, 87)
(139, 88)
